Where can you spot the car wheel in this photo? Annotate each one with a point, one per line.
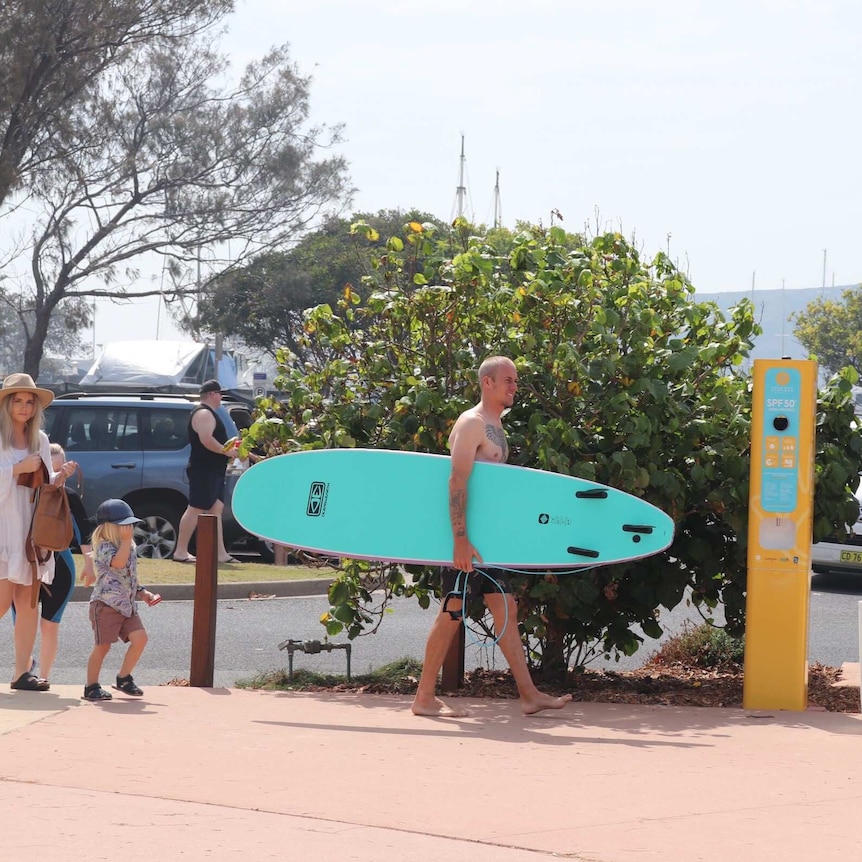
(156, 537)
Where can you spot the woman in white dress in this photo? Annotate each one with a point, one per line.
(23, 445)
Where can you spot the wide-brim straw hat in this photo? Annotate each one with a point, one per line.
(24, 383)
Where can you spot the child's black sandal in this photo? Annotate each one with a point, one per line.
(95, 692)
(127, 685)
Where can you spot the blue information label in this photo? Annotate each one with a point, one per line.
(780, 476)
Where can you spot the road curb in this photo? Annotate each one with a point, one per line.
(238, 590)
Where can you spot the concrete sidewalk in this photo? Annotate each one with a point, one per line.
(216, 774)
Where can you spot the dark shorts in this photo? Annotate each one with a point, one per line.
(109, 625)
(55, 597)
(205, 487)
(480, 582)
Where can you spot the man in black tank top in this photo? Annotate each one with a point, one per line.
(206, 471)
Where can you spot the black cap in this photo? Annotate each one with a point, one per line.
(116, 512)
(210, 386)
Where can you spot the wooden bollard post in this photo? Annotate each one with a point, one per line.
(452, 673)
(205, 603)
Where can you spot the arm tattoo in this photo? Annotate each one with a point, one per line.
(456, 513)
(498, 437)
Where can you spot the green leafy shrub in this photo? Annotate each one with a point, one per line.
(626, 379)
(704, 646)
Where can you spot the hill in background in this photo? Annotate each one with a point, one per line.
(773, 310)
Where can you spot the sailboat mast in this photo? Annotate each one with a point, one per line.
(461, 190)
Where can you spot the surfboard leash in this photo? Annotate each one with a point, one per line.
(460, 591)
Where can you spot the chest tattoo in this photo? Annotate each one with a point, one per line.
(498, 438)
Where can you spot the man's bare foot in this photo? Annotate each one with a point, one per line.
(438, 709)
(543, 701)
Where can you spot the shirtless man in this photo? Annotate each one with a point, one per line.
(478, 435)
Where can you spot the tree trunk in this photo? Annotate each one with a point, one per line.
(553, 668)
(35, 348)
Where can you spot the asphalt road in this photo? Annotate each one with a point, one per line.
(248, 633)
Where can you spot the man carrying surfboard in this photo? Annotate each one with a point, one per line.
(478, 435)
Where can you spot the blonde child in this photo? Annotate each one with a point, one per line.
(113, 612)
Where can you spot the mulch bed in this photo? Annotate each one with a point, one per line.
(670, 685)
(667, 685)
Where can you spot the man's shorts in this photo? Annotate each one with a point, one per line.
(205, 487)
(109, 625)
(480, 582)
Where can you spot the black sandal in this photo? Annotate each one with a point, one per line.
(94, 691)
(30, 682)
(126, 685)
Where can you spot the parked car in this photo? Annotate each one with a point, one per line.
(135, 448)
(840, 555)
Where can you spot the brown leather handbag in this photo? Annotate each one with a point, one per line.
(51, 524)
(34, 479)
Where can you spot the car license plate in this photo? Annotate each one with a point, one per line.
(851, 556)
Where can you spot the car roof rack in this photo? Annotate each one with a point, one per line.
(231, 396)
(126, 393)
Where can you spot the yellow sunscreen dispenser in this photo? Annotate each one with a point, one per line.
(779, 534)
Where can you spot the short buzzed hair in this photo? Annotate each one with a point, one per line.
(492, 365)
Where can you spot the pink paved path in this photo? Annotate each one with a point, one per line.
(212, 774)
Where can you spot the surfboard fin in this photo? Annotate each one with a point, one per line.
(582, 552)
(637, 528)
(592, 494)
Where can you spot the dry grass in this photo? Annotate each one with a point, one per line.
(157, 572)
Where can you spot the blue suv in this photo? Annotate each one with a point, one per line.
(135, 447)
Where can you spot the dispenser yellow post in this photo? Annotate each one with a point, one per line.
(779, 534)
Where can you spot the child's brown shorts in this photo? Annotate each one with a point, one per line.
(109, 625)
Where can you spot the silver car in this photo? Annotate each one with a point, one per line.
(845, 555)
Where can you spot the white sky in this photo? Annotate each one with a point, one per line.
(734, 126)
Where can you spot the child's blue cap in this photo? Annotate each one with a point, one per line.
(116, 512)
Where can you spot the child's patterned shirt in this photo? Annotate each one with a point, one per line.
(115, 587)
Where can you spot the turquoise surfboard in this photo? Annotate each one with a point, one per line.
(384, 505)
